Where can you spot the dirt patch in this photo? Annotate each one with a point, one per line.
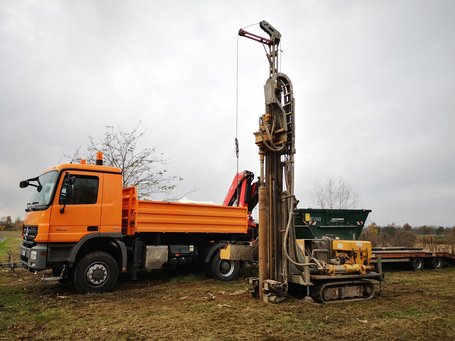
(413, 305)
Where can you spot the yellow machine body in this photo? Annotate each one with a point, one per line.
(353, 251)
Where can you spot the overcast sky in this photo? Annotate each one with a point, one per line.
(374, 83)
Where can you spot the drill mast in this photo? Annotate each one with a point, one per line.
(276, 141)
(341, 270)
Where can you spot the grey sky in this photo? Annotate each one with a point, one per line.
(374, 86)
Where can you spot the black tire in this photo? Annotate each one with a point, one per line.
(222, 269)
(95, 272)
(436, 263)
(417, 264)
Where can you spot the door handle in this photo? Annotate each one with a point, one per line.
(92, 228)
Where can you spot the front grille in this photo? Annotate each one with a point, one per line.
(29, 233)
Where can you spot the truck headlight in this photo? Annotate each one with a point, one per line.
(33, 254)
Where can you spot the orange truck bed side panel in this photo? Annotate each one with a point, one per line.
(171, 217)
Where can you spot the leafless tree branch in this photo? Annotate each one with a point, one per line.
(334, 194)
(144, 168)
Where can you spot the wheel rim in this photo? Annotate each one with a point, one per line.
(226, 267)
(97, 274)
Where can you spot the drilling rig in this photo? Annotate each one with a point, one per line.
(330, 270)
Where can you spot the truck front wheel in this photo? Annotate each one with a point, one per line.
(223, 269)
(95, 272)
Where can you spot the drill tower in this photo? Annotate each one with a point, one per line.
(276, 141)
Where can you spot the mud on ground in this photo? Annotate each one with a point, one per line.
(412, 306)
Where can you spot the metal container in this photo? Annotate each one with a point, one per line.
(313, 223)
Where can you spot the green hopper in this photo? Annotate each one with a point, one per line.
(343, 224)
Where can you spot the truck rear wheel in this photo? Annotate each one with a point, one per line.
(95, 272)
(224, 269)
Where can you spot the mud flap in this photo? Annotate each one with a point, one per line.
(242, 252)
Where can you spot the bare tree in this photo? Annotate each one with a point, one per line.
(371, 233)
(143, 168)
(407, 227)
(334, 194)
(404, 237)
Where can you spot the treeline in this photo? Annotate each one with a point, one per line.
(431, 237)
(7, 224)
(406, 235)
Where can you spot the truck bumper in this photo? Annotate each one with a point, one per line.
(34, 258)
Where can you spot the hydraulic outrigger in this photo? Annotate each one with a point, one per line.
(331, 270)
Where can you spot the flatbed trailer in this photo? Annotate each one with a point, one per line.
(416, 258)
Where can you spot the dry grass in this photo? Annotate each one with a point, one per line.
(413, 305)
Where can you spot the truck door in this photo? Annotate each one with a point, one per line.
(77, 207)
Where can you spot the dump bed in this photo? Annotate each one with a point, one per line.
(313, 223)
(142, 216)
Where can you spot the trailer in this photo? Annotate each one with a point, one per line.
(416, 258)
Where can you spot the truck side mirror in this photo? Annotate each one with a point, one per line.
(26, 183)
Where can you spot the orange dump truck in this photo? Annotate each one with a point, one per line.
(84, 226)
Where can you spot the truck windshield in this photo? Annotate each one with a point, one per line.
(42, 195)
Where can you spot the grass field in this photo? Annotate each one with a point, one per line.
(9, 240)
(412, 306)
